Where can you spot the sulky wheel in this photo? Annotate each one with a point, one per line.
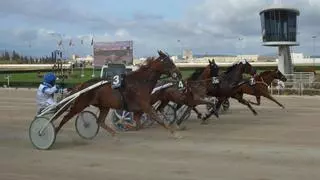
(184, 111)
(42, 133)
(146, 121)
(123, 120)
(226, 105)
(214, 100)
(169, 113)
(86, 125)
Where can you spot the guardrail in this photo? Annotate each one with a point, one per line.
(308, 77)
(296, 88)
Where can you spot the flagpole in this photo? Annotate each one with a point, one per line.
(93, 75)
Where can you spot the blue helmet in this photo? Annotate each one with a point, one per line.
(49, 78)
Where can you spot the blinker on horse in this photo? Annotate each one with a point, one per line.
(134, 92)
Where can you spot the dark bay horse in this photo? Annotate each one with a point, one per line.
(192, 94)
(259, 87)
(229, 81)
(133, 95)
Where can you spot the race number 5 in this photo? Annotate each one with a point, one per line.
(180, 85)
(116, 80)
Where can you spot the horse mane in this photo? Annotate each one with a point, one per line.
(196, 74)
(147, 63)
(265, 72)
(231, 68)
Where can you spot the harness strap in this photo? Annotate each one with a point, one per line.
(262, 82)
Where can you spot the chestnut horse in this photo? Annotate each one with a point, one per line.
(133, 95)
(259, 86)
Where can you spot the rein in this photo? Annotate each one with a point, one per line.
(262, 82)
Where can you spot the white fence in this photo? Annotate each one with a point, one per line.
(299, 83)
(301, 77)
(296, 88)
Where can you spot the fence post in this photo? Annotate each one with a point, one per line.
(8, 80)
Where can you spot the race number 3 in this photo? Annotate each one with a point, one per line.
(180, 85)
(116, 80)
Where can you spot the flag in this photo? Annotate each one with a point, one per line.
(92, 42)
(70, 43)
(81, 41)
(60, 43)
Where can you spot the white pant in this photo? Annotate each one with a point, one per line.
(42, 106)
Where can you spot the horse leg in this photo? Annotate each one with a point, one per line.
(245, 102)
(77, 108)
(101, 120)
(258, 98)
(199, 115)
(162, 105)
(153, 115)
(267, 95)
(137, 119)
(196, 102)
(214, 111)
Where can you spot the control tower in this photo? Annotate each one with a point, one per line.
(279, 29)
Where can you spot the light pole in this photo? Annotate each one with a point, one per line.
(314, 48)
(93, 70)
(181, 48)
(240, 46)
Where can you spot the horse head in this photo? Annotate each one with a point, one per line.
(278, 75)
(166, 66)
(246, 67)
(214, 68)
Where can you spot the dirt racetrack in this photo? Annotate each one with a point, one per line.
(273, 145)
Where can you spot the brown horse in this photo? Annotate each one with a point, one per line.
(259, 86)
(133, 95)
(192, 94)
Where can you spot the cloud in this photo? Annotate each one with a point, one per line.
(205, 26)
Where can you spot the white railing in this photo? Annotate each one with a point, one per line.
(296, 88)
(305, 77)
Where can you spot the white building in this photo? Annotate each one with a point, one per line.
(299, 58)
(87, 59)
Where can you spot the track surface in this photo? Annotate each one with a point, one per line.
(273, 145)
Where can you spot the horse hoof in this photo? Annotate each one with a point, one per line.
(115, 139)
(177, 136)
(204, 122)
(182, 128)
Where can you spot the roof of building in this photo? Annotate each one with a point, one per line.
(280, 7)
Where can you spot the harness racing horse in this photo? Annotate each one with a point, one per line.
(228, 82)
(259, 86)
(191, 93)
(131, 94)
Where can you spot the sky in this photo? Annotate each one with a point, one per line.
(32, 27)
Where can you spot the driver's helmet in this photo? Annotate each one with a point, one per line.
(50, 78)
